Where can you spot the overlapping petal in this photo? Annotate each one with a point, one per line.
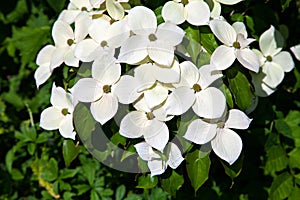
(237, 119)
(223, 57)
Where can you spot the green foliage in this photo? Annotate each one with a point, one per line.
(40, 164)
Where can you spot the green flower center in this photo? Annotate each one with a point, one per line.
(269, 58)
(196, 87)
(150, 115)
(220, 124)
(84, 9)
(106, 89)
(236, 45)
(152, 37)
(70, 42)
(184, 2)
(96, 16)
(103, 43)
(65, 111)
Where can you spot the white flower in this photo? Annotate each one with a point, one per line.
(235, 46)
(194, 91)
(158, 162)
(60, 114)
(43, 60)
(196, 12)
(149, 40)
(99, 89)
(216, 11)
(147, 123)
(261, 89)
(105, 37)
(296, 51)
(225, 142)
(115, 8)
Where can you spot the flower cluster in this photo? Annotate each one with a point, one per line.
(114, 38)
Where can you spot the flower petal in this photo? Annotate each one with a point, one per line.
(170, 32)
(41, 75)
(60, 98)
(156, 134)
(118, 33)
(105, 108)
(179, 101)
(216, 10)
(274, 74)
(200, 132)
(223, 31)
(44, 55)
(227, 145)
(106, 70)
(296, 51)
(248, 59)
(132, 124)
(87, 90)
(165, 74)
(161, 52)
(66, 128)
(86, 50)
(210, 103)
(223, 57)
(157, 167)
(61, 33)
(284, 60)
(173, 12)
(142, 20)
(98, 30)
(229, 2)
(58, 57)
(198, 13)
(189, 74)
(114, 9)
(208, 75)
(134, 50)
(145, 151)
(237, 120)
(156, 95)
(174, 156)
(51, 118)
(126, 89)
(82, 24)
(240, 28)
(261, 89)
(268, 43)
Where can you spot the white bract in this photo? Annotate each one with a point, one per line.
(158, 162)
(274, 62)
(216, 11)
(60, 114)
(99, 89)
(157, 42)
(225, 142)
(296, 51)
(194, 91)
(196, 12)
(235, 46)
(147, 123)
(115, 8)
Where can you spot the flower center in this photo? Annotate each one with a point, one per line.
(196, 87)
(184, 2)
(220, 124)
(269, 58)
(150, 115)
(236, 45)
(84, 9)
(106, 89)
(152, 37)
(96, 16)
(103, 43)
(70, 42)
(64, 111)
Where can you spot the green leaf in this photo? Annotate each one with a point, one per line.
(68, 173)
(50, 171)
(18, 13)
(94, 195)
(282, 186)
(9, 159)
(208, 40)
(294, 158)
(83, 121)
(240, 88)
(82, 188)
(158, 193)
(197, 164)
(70, 152)
(120, 192)
(276, 159)
(147, 182)
(57, 5)
(295, 194)
(172, 183)
(192, 45)
(228, 95)
(235, 169)
(16, 174)
(283, 128)
(285, 4)
(237, 17)
(31, 148)
(106, 192)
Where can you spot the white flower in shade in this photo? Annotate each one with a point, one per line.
(99, 89)
(236, 46)
(65, 40)
(216, 10)
(194, 91)
(196, 12)
(226, 143)
(158, 162)
(105, 37)
(296, 51)
(60, 114)
(149, 40)
(274, 62)
(147, 123)
(115, 8)
(43, 60)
